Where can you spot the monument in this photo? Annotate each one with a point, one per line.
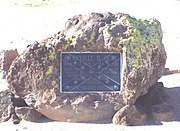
(94, 69)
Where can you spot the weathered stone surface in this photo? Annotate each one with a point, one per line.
(84, 108)
(18, 102)
(35, 75)
(15, 119)
(6, 105)
(7, 111)
(6, 58)
(129, 115)
(152, 106)
(27, 113)
(15, 109)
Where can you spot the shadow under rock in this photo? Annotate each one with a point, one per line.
(44, 119)
(108, 121)
(161, 104)
(174, 94)
(174, 101)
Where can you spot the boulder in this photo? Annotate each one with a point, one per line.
(6, 105)
(18, 102)
(27, 113)
(153, 106)
(6, 58)
(15, 109)
(23, 111)
(129, 115)
(15, 119)
(35, 74)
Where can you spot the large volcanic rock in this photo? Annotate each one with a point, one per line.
(35, 75)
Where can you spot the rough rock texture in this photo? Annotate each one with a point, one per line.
(27, 113)
(7, 110)
(154, 105)
(35, 75)
(6, 58)
(15, 119)
(18, 102)
(6, 105)
(129, 115)
(15, 109)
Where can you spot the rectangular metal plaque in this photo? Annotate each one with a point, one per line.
(90, 72)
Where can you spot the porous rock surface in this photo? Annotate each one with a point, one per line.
(15, 109)
(6, 105)
(35, 75)
(27, 113)
(6, 58)
(129, 115)
(153, 106)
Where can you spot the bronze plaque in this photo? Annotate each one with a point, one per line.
(85, 72)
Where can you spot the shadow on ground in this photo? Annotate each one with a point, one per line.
(174, 100)
(174, 94)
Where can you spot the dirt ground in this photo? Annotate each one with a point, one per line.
(22, 25)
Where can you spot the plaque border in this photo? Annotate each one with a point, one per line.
(121, 69)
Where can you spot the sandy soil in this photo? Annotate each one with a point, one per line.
(20, 26)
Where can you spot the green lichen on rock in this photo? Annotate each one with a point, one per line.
(69, 42)
(52, 54)
(89, 37)
(141, 36)
(135, 35)
(49, 71)
(149, 31)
